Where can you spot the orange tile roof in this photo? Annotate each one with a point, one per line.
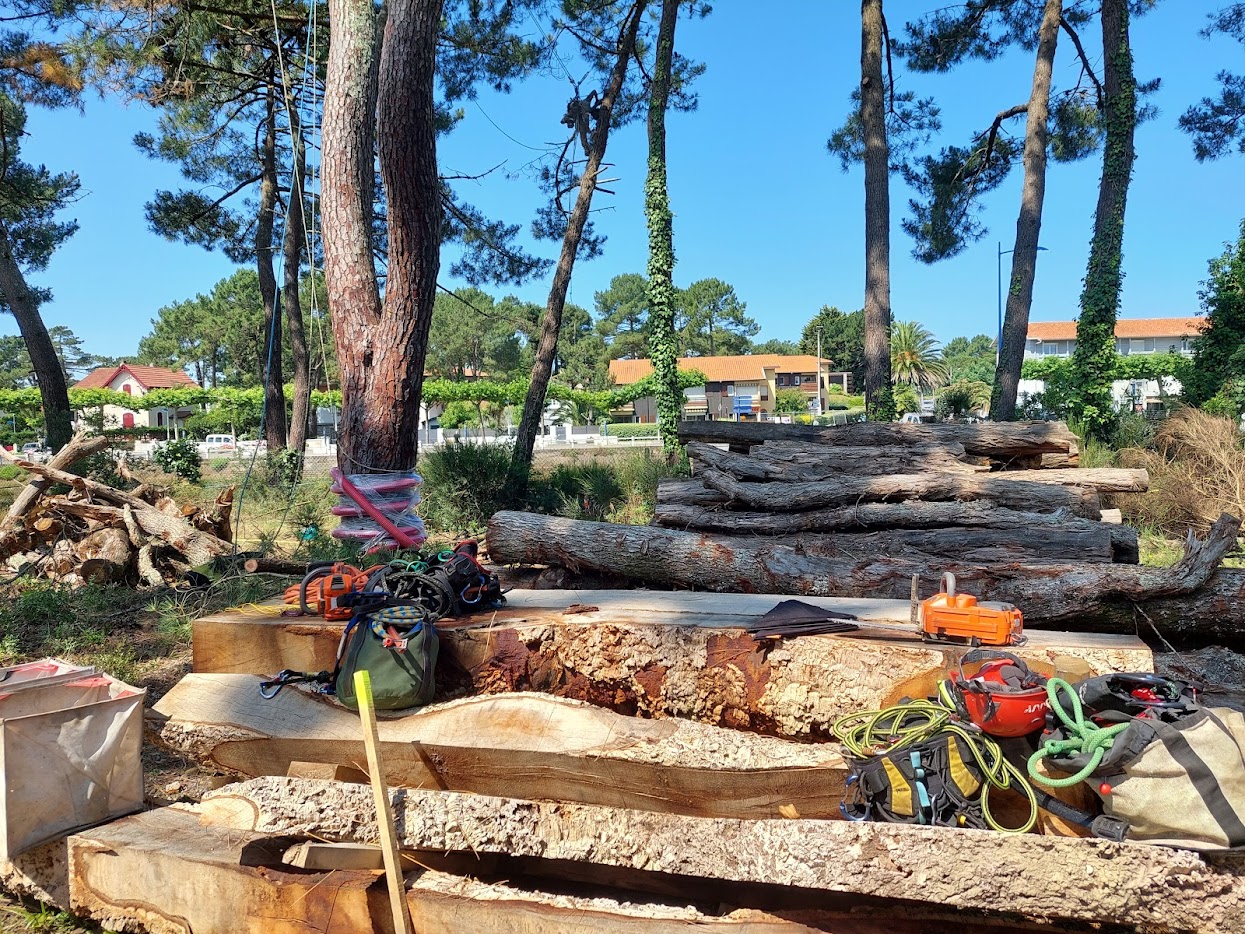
(744, 368)
(149, 377)
(1124, 327)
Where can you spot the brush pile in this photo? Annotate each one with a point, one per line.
(75, 530)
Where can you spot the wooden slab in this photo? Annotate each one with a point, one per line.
(164, 872)
(979, 873)
(643, 652)
(531, 745)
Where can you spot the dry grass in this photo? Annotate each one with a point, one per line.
(1197, 472)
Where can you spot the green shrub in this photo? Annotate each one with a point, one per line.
(180, 458)
(585, 491)
(11, 472)
(465, 483)
(284, 467)
(1132, 430)
(632, 430)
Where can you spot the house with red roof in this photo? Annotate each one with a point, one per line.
(1132, 336)
(137, 380)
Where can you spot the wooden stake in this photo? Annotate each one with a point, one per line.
(384, 812)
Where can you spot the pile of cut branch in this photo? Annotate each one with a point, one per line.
(75, 530)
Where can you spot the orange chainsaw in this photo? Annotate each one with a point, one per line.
(961, 618)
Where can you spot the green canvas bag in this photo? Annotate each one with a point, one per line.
(397, 645)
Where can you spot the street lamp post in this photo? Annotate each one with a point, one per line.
(819, 408)
(998, 343)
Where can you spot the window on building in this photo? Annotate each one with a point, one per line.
(127, 420)
(159, 419)
(127, 389)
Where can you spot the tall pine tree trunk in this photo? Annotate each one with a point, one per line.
(551, 324)
(270, 357)
(24, 305)
(879, 402)
(382, 90)
(1028, 224)
(294, 238)
(1094, 357)
(661, 239)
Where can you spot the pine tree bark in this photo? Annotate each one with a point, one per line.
(270, 357)
(546, 348)
(1094, 356)
(1028, 224)
(24, 305)
(661, 239)
(383, 91)
(292, 246)
(878, 400)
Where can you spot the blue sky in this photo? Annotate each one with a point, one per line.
(758, 200)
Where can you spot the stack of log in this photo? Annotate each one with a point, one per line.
(988, 492)
(94, 532)
(858, 510)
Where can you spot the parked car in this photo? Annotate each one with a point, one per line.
(33, 451)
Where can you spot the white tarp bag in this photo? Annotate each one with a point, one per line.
(70, 754)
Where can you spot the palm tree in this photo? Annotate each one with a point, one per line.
(916, 357)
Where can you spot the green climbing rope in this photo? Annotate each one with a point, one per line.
(1084, 737)
(878, 732)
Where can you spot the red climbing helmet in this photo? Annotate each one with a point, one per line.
(1005, 697)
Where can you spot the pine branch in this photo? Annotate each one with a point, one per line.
(1080, 51)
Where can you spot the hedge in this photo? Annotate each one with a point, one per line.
(632, 430)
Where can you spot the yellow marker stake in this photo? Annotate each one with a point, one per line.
(384, 812)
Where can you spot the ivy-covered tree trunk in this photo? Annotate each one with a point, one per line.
(1094, 357)
(661, 295)
(1028, 224)
(879, 402)
(381, 91)
(24, 305)
(294, 238)
(551, 324)
(274, 382)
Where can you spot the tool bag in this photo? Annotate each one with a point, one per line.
(394, 640)
(397, 644)
(1167, 769)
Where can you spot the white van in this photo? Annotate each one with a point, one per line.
(218, 444)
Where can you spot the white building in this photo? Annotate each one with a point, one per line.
(1132, 336)
(136, 380)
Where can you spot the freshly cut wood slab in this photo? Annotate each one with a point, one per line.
(531, 745)
(654, 653)
(165, 872)
(975, 872)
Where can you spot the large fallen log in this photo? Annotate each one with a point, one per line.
(977, 514)
(198, 547)
(998, 440)
(794, 496)
(1026, 877)
(786, 464)
(746, 467)
(673, 654)
(528, 745)
(1046, 593)
(688, 492)
(1051, 544)
(163, 872)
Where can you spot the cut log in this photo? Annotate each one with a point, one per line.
(999, 440)
(794, 497)
(832, 464)
(1117, 884)
(978, 514)
(691, 492)
(663, 654)
(104, 556)
(162, 872)
(1102, 479)
(531, 745)
(1051, 544)
(1046, 594)
(198, 547)
(80, 446)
